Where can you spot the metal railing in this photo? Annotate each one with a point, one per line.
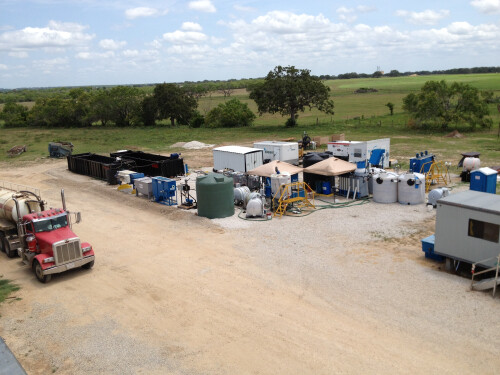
(495, 268)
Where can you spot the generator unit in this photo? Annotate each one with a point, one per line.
(421, 163)
(277, 150)
(164, 190)
(359, 151)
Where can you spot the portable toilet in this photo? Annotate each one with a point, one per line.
(484, 179)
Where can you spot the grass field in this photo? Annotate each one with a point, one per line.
(358, 116)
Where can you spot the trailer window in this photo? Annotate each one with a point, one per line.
(484, 230)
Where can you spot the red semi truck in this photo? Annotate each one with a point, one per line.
(43, 238)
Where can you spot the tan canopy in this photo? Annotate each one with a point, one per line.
(331, 167)
(266, 170)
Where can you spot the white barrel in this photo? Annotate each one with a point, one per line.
(240, 193)
(278, 180)
(411, 188)
(471, 164)
(385, 187)
(249, 196)
(8, 210)
(436, 194)
(255, 207)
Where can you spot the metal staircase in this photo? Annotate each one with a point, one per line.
(292, 194)
(437, 173)
(485, 284)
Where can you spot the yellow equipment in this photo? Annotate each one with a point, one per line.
(438, 173)
(299, 197)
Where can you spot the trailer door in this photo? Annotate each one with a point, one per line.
(253, 160)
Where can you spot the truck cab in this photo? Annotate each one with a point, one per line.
(50, 245)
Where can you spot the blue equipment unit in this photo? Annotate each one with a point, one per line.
(428, 248)
(294, 177)
(323, 187)
(484, 179)
(377, 156)
(164, 190)
(419, 160)
(361, 164)
(135, 176)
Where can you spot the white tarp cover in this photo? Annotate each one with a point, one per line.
(266, 170)
(331, 167)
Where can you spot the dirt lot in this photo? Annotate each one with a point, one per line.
(339, 291)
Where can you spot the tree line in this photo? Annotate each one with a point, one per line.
(124, 106)
(285, 90)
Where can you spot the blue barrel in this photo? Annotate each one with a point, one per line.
(326, 188)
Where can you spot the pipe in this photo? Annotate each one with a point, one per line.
(63, 199)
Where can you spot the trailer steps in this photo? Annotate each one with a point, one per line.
(490, 283)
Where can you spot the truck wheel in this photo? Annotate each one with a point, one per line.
(88, 265)
(6, 247)
(1, 242)
(37, 269)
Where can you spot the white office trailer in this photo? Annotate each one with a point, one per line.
(356, 151)
(237, 158)
(468, 227)
(282, 151)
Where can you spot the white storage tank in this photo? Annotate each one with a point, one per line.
(279, 179)
(385, 187)
(471, 164)
(411, 188)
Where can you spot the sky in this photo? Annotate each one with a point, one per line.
(49, 43)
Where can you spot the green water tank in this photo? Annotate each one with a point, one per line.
(215, 196)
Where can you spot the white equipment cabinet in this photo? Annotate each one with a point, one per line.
(237, 158)
(282, 151)
(356, 151)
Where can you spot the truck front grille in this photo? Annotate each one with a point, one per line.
(65, 252)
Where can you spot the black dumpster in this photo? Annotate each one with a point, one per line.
(98, 166)
(153, 164)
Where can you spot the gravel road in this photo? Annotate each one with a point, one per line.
(339, 291)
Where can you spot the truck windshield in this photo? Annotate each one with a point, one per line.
(50, 224)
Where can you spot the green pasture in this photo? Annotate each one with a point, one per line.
(358, 116)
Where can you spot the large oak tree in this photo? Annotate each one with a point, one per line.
(287, 90)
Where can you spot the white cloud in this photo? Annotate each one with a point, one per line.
(54, 35)
(288, 23)
(487, 6)
(95, 55)
(130, 53)
(48, 66)
(111, 44)
(191, 26)
(202, 6)
(427, 17)
(298, 38)
(134, 13)
(3, 67)
(184, 37)
(242, 8)
(351, 14)
(18, 54)
(155, 44)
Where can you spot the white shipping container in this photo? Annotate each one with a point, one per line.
(356, 151)
(277, 150)
(237, 158)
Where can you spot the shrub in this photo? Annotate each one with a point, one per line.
(231, 114)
